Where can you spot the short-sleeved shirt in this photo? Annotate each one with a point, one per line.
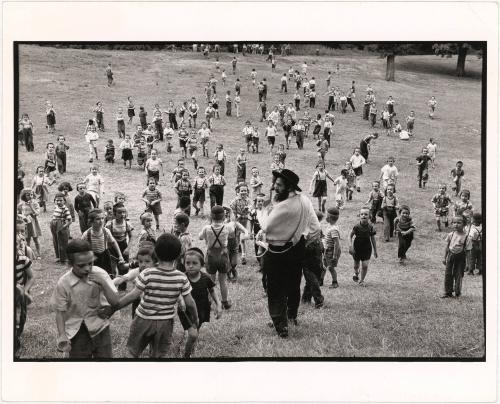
(119, 231)
(457, 241)
(151, 195)
(161, 288)
(364, 231)
(200, 290)
(80, 300)
(98, 242)
(209, 233)
(153, 165)
(61, 213)
(389, 172)
(332, 232)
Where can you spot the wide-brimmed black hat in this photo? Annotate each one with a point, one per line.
(289, 176)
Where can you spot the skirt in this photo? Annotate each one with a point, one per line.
(320, 189)
(33, 228)
(131, 112)
(362, 249)
(127, 154)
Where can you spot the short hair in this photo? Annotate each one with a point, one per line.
(152, 178)
(167, 247)
(60, 195)
(147, 248)
(465, 192)
(24, 194)
(261, 195)
(182, 218)
(93, 214)
(76, 246)
(144, 216)
(217, 213)
(404, 207)
(477, 217)
(65, 185)
(319, 215)
(333, 211)
(196, 252)
(460, 162)
(461, 218)
(116, 206)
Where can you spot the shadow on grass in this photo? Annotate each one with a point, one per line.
(440, 66)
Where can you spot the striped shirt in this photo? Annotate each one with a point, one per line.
(332, 232)
(61, 213)
(98, 241)
(161, 288)
(119, 231)
(22, 264)
(151, 195)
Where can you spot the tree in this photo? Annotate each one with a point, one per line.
(456, 48)
(389, 51)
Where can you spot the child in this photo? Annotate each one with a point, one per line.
(51, 117)
(183, 138)
(410, 123)
(204, 134)
(109, 154)
(158, 122)
(179, 230)
(253, 75)
(320, 187)
(183, 188)
(126, 146)
(441, 202)
(373, 114)
(26, 128)
(192, 147)
(95, 184)
(343, 102)
(24, 282)
(463, 206)
(223, 77)
(193, 109)
(233, 63)
(168, 134)
(172, 112)
(29, 209)
(476, 257)
(432, 106)
(362, 242)
(84, 202)
(228, 103)
(375, 200)
(322, 148)
(91, 137)
(281, 153)
(142, 152)
(385, 117)
(237, 101)
(215, 236)
(108, 212)
(263, 109)
(404, 228)
(143, 117)
(277, 165)
(152, 197)
(50, 160)
(90, 338)
(202, 285)
(388, 172)
(99, 116)
(216, 186)
(389, 210)
(61, 148)
(296, 98)
(40, 185)
(255, 139)
(255, 184)
(256, 218)
(341, 190)
(159, 287)
(457, 174)
(177, 171)
(287, 128)
(235, 230)
(365, 144)
(220, 157)
(121, 230)
(147, 233)
(270, 134)
(284, 84)
(423, 168)
(61, 219)
(397, 128)
(100, 238)
(241, 166)
(357, 161)
(153, 167)
(120, 122)
(327, 128)
(432, 148)
(332, 244)
(458, 249)
(130, 110)
(248, 134)
(241, 207)
(199, 186)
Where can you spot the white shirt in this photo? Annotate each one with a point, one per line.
(357, 161)
(389, 172)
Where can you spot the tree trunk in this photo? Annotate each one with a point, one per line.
(389, 72)
(462, 53)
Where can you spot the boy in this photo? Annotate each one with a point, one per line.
(159, 288)
(215, 236)
(255, 183)
(375, 198)
(423, 168)
(181, 223)
(441, 202)
(457, 173)
(388, 172)
(24, 282)
(79, 299)
(332, 244)
(476, 255)
(241, 206)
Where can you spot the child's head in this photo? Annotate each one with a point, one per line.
(167, 247)
(50, 146)
(119, 211)
(242, 190)
(390, 161)
(343, 173)
(404, 211)
(477, 218)
(320, 165)
(194, 260)
(201, 171)
(151, 183)
(146, 219)
(108, 208)
(425, 151)
(81, 188)
(242, 151)
(120, 197)
(228, 92)
(220, 146)
(61, 139)
(184, 202)
(40, 170)
(181, 222)
(94, 170)
(364, 213)
(80, 257)
(375, 185)
(217, 214)
(255, 171)
(96, 218)
(146, 257)
(110, 142)
(356, 151)
(442, 189)
(431, 140)
(185, 174)
(65, 187)
(154, 154)
(59, 199)
(20, 225)
(458, 223)
(332, 215)
(390, 189)
(465, 195)
(281, 147)
(259, 201)
(276, 158)
(180, 163)
(460, 164)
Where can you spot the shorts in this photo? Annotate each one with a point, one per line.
(358, 171)
(155, 209)
(255, 140)
(217, 261)
(271, 140)
(199, 196)
(441, 213)
(182, 144)
(155, 333)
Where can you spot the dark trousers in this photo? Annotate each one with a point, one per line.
(61, 162)
(173, 120)
(389, 216)
(476, 259)
(60, 238)
(83, 346)
(222, 165)
(103, 260)
(311, 267)
(331, 103)
(297, 105)
(83, 221)
(284, 272)
(28, 139)
(455, 265)
(404, 244)
(366, 111)
(216, 195)
(349, 102)
(423, 176)
(284, 87)
(299, 139)
(99, 117)
(159, 128)
(312, 102)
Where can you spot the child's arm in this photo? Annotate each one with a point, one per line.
(311, 185)
(129, 276)
(448, 239)
(113, 242)
(191, 308)
(215, 298)
(105, 282)
(351, 242)
(242, 229)
(370, 198)
(374, 244)
(131, 296)
(63, 343)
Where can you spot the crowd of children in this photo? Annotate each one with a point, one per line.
(167, 271)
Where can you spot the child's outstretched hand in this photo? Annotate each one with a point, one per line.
(105, 312)
(63, 344)
(444, 262)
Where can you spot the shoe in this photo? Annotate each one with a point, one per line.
(235, 274)
(270, 324)
(358, 189)
(243, 261)
(58, 260)
(361, 283)
(226, 305)
(334, 285)
(445, 296)
(355, 278)
(283, 333)
(319, 305)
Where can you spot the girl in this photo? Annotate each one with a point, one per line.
(51, 117)
(152, 197)
(172, 112)
(241, 167)
(59, 227)
(193, 109)
(271, 136)
(130, 110)
(357, 161)
(121, 230)
(192, 145)
(147, 233)
(199, 186)
(91, 137)
(362, 242)
(277, 165)
(168, 134)
(126, 146)
(26, 128)
(50, 160)
(432, 106)
(389, 211)
(29, 209)
(61, 148)
(220, 157)
(99, 116)
(228, 103)
(153, 166)
(403, 225)
(40, 187)
(183, 188)
(120, 123)
(320, 186)
(95, 184)
(340, 192)
(216, 186)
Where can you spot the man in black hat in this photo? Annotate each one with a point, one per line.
(287, 221)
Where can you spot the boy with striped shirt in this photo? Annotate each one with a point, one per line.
(59, 227)
(160, 287)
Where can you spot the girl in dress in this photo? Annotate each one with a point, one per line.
(362, 243)
(318, 183)
(126, 147)
(40, 187)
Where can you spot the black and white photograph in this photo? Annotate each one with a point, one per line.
(249, 200)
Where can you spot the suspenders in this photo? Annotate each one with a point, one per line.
(217, 235)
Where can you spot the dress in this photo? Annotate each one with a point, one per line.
(320, 187)
(362, 242)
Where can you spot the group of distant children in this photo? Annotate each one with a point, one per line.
(167, 269)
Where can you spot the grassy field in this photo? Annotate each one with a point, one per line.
(398, 314)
